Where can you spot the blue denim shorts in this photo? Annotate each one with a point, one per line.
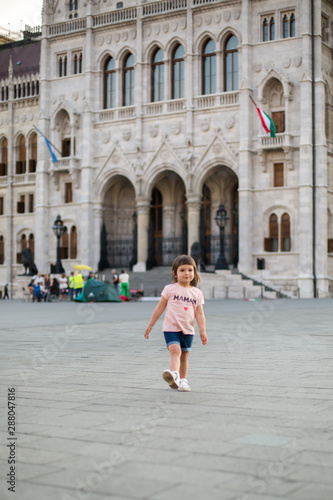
(184, 341)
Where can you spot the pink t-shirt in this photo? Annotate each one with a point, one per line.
(181, 308)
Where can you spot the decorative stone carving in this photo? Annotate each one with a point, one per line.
(217, 17)
(117, 37)
(100, 40)
(217, 148)
(257, 67)
(164, 154)
(105, 136)
(157, 29)
(198, 22)
(174, 26)
(176, 127)
(236, 13)
(115, 159)
(148, 31)
(226, 15)
(126, 133)
(133, 34)
(183, 24)
(109, 39)
(208, 19)
(286, 62)
(125, 35)
(230, 121)
(297, 61)
(205, 124)
(75, 96)
(31, 116)
(165, 27)
(153, 130)
(269, 65)
(23, 118)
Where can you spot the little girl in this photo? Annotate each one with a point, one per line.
(184, 304)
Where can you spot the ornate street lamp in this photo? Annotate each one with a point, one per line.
(58, 229)
(221, 220)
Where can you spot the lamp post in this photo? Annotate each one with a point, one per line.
(221, 220)
(58, 229)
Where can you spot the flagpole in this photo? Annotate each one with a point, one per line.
(34, 126)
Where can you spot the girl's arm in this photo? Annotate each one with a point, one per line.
(159, 309)
(200, 317)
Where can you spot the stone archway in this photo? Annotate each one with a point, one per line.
(167, 236)
(220, 185)
(119, 222)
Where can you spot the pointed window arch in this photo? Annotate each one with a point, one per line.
(292, 25)
(128, 81)
(272, 242)
(285, 233)
(285, 26)
(73, 243)
(272, 29)
(4, 156)
(209, 68)
(231, 64)
(21, 155)
(109, 83)
(178, 73)
(64, 245)
(157, 84)
(33, 153)
(265, 30)
(31, 245)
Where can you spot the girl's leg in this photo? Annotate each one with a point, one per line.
(184, 364)
(175, 354)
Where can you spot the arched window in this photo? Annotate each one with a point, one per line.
(65, 66)
(4, 156)
(209, 68)
(285, 25)
(33, 153)
(76, 65)
(231, 64)
(60, 68)
(272, 29)
(21, 155)
(272, 242)
(2, 250)
(128, 79)
(64, 245)
(73, 247)
(265, 30)
(31, 245)
(110, 83)
(285, 233)
(292, 25)
(80, 62)
(178, 72)
(157, 85)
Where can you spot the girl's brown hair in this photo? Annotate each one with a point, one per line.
(186, 260)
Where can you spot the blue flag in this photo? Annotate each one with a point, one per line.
(49, 145)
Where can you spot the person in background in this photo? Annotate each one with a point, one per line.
(115, 280)
(5, 291)
(78, 283)
(71, 285)
(47, 286)
(124, 284)
(63, 285)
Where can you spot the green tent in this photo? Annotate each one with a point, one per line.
(97, 291)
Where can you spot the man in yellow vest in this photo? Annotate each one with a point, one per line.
(78, 283)
(71, 285)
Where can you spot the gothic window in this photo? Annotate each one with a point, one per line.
(31, 245)
(33, 153)
(231, 64)
(209, 68)
(73, 6)
(278, 175)
(324, 29)
(178, 73)
(65, 147)
(62, 67)
(278, 118)
(272, 242)
(157, 76)
(265, 30)
(1, 206)
(2, 250)
(64, 244)
(110, 83)
(285, 26)
(23, 245)
(31, 203)
(292, 25)
(272, 29)
(128, 81)
(73, 243)
(21, 154)
(21, 204)
(77, 63)
(3, 156)
(285, 233)
(68, 192)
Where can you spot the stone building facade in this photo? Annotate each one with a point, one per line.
(147, 105)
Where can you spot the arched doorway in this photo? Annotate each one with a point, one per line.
(220, 186)
(168, 220)
(119, 221)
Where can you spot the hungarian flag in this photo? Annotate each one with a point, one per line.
(266, 121)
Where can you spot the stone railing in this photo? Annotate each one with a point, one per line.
(272, 142)
(216, 100)
(24, 178)
(68, 27)
(153, 9)
(116, 16)
(164, 107)
(123, 113)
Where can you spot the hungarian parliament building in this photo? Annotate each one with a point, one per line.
(136, 122)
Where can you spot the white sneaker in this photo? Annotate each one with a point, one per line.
(171, 378)
(183, 385)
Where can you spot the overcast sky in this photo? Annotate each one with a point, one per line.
(19, 13)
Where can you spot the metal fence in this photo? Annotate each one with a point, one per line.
(120, 252)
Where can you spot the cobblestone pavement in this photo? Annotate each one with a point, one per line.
(95, 420)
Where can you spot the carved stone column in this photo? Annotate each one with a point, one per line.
(193, 217)
(142, 210)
